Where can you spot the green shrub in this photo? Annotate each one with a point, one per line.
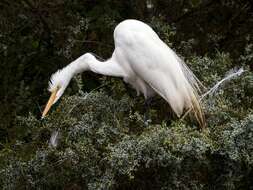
(103, 144)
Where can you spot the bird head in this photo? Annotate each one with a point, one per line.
(57, 85)
(60, 79)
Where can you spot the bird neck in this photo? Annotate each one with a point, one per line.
(87, 62)
(78, 66)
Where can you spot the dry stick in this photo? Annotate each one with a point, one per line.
(215, 87)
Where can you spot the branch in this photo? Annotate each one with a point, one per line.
(193, 11)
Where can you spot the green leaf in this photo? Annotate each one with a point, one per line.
(35, 44)
(195, 2)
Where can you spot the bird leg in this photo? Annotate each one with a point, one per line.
(147, 118)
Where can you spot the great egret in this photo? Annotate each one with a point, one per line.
(142, 59)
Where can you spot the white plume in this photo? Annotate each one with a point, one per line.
(231, 74)
(54, 139)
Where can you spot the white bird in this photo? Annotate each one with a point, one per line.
(143, 60)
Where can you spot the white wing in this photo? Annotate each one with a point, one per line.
(155, 63)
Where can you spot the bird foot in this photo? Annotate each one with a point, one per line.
(147, 122)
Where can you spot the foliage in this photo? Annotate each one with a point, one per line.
(39, 37)
(103, 141)
(99, 150)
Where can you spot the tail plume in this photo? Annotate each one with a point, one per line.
(197, 110)
(194, 89)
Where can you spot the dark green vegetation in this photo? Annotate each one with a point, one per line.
(103, 143)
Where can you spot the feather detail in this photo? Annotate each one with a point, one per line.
(54, 80)
(53, 142)
(231, 74)
(194, 88)
(60, 78)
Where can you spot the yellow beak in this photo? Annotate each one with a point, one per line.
(50, 102)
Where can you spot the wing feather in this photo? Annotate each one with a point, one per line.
(155, 63)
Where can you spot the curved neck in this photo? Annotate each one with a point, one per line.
(77, 66)
(81, 64)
